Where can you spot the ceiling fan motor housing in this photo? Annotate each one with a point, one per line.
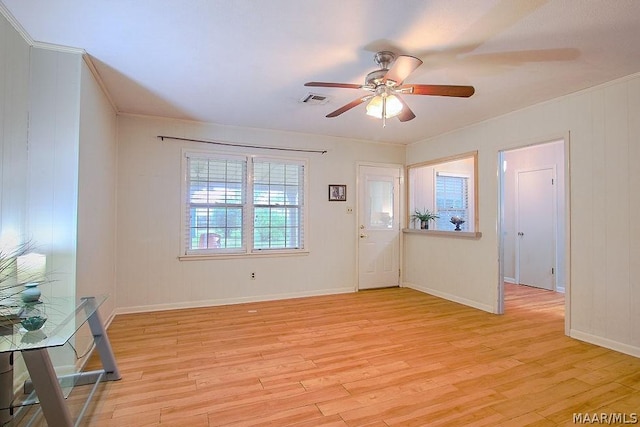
(375, 78)
(384, 58)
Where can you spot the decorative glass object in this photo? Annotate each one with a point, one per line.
(33, 316)
(31, 293)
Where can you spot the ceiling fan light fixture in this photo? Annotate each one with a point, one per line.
(390, 104)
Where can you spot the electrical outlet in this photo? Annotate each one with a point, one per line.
(253, 276)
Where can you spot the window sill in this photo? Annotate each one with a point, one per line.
(266, 254)
(458, 234)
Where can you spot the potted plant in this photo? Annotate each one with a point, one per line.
(424, 217)
(21, 272)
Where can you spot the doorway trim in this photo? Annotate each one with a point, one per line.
(401, 208)
(565, 139)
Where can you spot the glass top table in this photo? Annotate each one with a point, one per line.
(65, 316)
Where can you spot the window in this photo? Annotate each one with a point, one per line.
(277, 205)
(236, 205)
(452, 200)
(446, 187)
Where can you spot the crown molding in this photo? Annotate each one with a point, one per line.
(30, 41)
(58, 48)
(96, 75)
(15, 24)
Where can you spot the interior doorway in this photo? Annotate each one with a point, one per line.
(533, 228)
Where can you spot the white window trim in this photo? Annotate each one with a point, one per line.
(248, 224)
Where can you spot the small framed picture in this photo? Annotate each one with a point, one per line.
(337, 193)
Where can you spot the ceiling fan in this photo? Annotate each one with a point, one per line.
(387, 83)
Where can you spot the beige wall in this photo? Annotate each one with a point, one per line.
(14, 104)
(97, 169)
(52, 197)
(150, 276)
(57, 129)
(605, 237)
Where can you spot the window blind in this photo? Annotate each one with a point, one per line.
(452, 199)
(238, 204)
(278, 204)
(216, 204)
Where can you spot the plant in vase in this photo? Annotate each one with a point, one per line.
(457, 221)
(21, 272)
(424, 217)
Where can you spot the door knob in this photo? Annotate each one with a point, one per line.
(363, 236)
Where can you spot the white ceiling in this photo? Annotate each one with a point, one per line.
(245, 62)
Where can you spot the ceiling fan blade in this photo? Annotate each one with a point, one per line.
(349, 106)
(401, 68)
(406, 114)
(438, 90)
(338, 85)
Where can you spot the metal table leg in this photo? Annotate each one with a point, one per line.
(47, 387)
(101, 340)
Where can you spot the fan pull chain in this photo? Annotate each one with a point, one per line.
(384, 111)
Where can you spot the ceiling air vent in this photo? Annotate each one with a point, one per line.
(315, 99)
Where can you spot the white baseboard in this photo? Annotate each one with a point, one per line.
(605, 342)
(450, 297)
(510, 280)
(228, 301)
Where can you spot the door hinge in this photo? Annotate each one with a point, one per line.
(553, 270)
(552, 181)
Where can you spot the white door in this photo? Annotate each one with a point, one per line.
(379, 227)
(536, 237)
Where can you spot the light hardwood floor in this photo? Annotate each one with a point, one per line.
(390, 357)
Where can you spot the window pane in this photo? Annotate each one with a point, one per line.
(292, 173)
(380, 204)
(292, 237)
(261, 173)
(261, 217)
(234, 193)
(199, 170)
(276, 195)
(292, 217)
(218, 217)
(278, 217)
(235, 172)
(200, 217)
(292, 195)
(234, 218)
(198, 192)
(276, 173)
(233, 238)
(261, 237)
